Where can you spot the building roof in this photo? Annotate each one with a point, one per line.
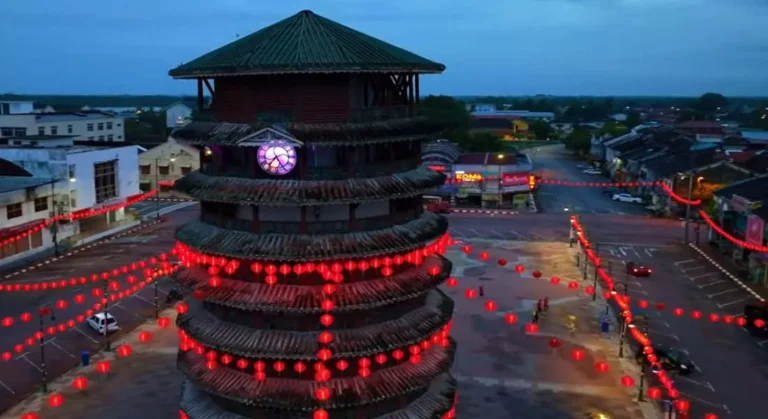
(292, 192)
(699, 124)
(669, 164)
(758, 163)
(754, 190)
(9, 168)
(15, 183)
(305, 43)
(487, 158)
(73, 116)
(297, 247)
(40, 137)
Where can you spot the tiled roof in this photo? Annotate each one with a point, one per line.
(699, 124)
(755, 189)
(321, 134)
(757, 163)
(296, 247)
(437, 400)
(669, 164)
(356, 295)
(288, 192)
(306, 43)
(296, 394)
(248, 342)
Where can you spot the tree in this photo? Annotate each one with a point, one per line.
(710, 102)
(541, 129)
(633, 120)
(579, 141)
(482, 142)
(450, 113)
(613, 129)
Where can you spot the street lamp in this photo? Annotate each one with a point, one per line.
(500, 156)
(157, 183)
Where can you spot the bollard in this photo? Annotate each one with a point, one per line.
(85, 358)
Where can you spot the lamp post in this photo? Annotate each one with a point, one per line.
(55, 224)
(688, 206)
(501, 160)
(594, 280)
(106, 313)
(157, 183)
(642, 368)
(43, 311)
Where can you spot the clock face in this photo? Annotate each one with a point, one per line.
(277, 157)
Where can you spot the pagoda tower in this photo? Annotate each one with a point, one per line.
(313, 268)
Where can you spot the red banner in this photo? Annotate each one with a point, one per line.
(755, 230)
(514, 179)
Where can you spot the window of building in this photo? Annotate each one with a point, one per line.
(71, 172)
(16, 142)
(163, 170)
(119, 137)
(89, 127)
(101, 138)
(41, 204)
(69, 129)
(110, 137)
(145, 169)
(109, 125)
(119, 124)
(6, 132)
(185, 169)
(54, 130)
(19, 132)
(40, 130)
(36, 239)
(14, 211)
(101, 126)
(105, 180)
(91, 138)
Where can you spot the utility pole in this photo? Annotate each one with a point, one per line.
(106, 313)
(55, 225)
(622, 337)
(642, 368)
(688, 205)
(41, 312)
(157, 187)
(157, 305)
(594, 280)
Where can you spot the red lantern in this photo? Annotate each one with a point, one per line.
(577, 354)
(124, 350)
(484, 256)
(490, 305)
(470, 293)
(601, 367)
(279, 366)
(320, 414)
(502, 262)
(327, 305)
(144, 336)
(214, 281)
(434, 270)
(300, 367)
(642, 304)
(519, 268)
(654, 393)
(452, 282)
(661, 306)
(573, 285)
(364, 372)
(30, 415)
(554, 280)
(342, 365)
(711, 415)
(326, 320)
(532, 328)
(80, 383)
(182, 308)
(7, 321)
(741, 321)
(325, 337)
(696, 314)
(554, 343)
(759, 323)
(682, 405)
(714, 317)
(398, 354)
(536, 274)
(627, 381)
(55, 400)
(163, 322)
(103, 367)
(467, 249)
(589, 290)
(510, 318)
(678, 311)
(324, 354)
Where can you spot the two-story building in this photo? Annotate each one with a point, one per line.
(86, 125)
(161, 166)
(11, 107)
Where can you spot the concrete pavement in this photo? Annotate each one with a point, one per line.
(22, 374)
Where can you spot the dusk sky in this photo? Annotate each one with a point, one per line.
(490, 47)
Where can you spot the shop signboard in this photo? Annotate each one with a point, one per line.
(755, 230)
(490, 197)
(514, 179)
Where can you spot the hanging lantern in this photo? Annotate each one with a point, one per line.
(435, 270)
(279, 366)
(467, 249)
(55, 400)
(696, 314)
(325, 337)
(484, 256)
(711, 415)
(80, 383)
(452, 282)
(741, 321)
(144, 336)
(502, 262)
(470, 293)
(678, 311)
(103, 367)
(300, 367)
(573, 285)
(682, 405)
(532, 328)
(714, 317)
(536, 274)
(627, 381)
(554, 343)
(342, 365)
(589, 290)
(554, 280)
(661, 306)
(577, 354)
(642, 304)
(124, 350)
(398, 354)
(326, 320)
(320, 414)
(601, 367)
(510, 318)
(490, 305)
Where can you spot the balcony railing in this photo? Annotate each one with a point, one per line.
(320, 227)
(376, 114)
(364, 170)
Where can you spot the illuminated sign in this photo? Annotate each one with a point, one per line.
(531, 182)
(468, 177)
(437, 168)
(514, 179)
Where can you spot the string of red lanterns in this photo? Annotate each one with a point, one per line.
(75, 216)
(599, 184)
(713, 225)
(679, 198)
(83, 280)
(80, 318)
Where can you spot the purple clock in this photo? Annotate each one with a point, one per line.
(277, 157)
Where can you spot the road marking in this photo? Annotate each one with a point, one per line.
(498, 234)
(685, 261)
(694, 268)
(761, 343)
(656, 332)
(706, 384)
(24, 357)
(85, 334)
(733, 302)
(475, 232)
(540, 236)
(7, 388)
(688, 396)
(703, 275)
(649, 252)
(621, 249)
(722, 292)
(655, 246)
(63, 350)
(126, 310)
(710, 284)
(517, 234)
(144, 299)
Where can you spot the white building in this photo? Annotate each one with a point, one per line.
(178, 114)
(161, 166)
(90, 126)
(10, 107)
(91, 178)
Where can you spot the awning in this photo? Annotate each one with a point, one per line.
(9, 232)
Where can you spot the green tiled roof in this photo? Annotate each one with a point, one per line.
(305, 43)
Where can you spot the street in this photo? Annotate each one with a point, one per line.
(554, 162)
(151, 206)
(23, 374)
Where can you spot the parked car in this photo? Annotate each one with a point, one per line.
(756, 311)
(436, 204)
(592, 172)
(96, 322)
(670, 359)
(635, 269)
(625, 197)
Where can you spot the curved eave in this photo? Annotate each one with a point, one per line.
(180, 73)
(295, 394)
(349, 296)
(287, 192)
(296, 247)
(435, 402)
(243, 341)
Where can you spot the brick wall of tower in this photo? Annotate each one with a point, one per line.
(307, 98)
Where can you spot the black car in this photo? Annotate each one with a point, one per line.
(757, 311)
(636, 269)
(671, 360)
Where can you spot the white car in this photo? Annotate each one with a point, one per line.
(625, 197)
(96, 322)
(592, 172)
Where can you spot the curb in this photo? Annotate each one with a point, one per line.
(174, 200)
(482, 211)
(79, 249)
(733, 277)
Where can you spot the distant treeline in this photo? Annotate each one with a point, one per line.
(63, 102)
